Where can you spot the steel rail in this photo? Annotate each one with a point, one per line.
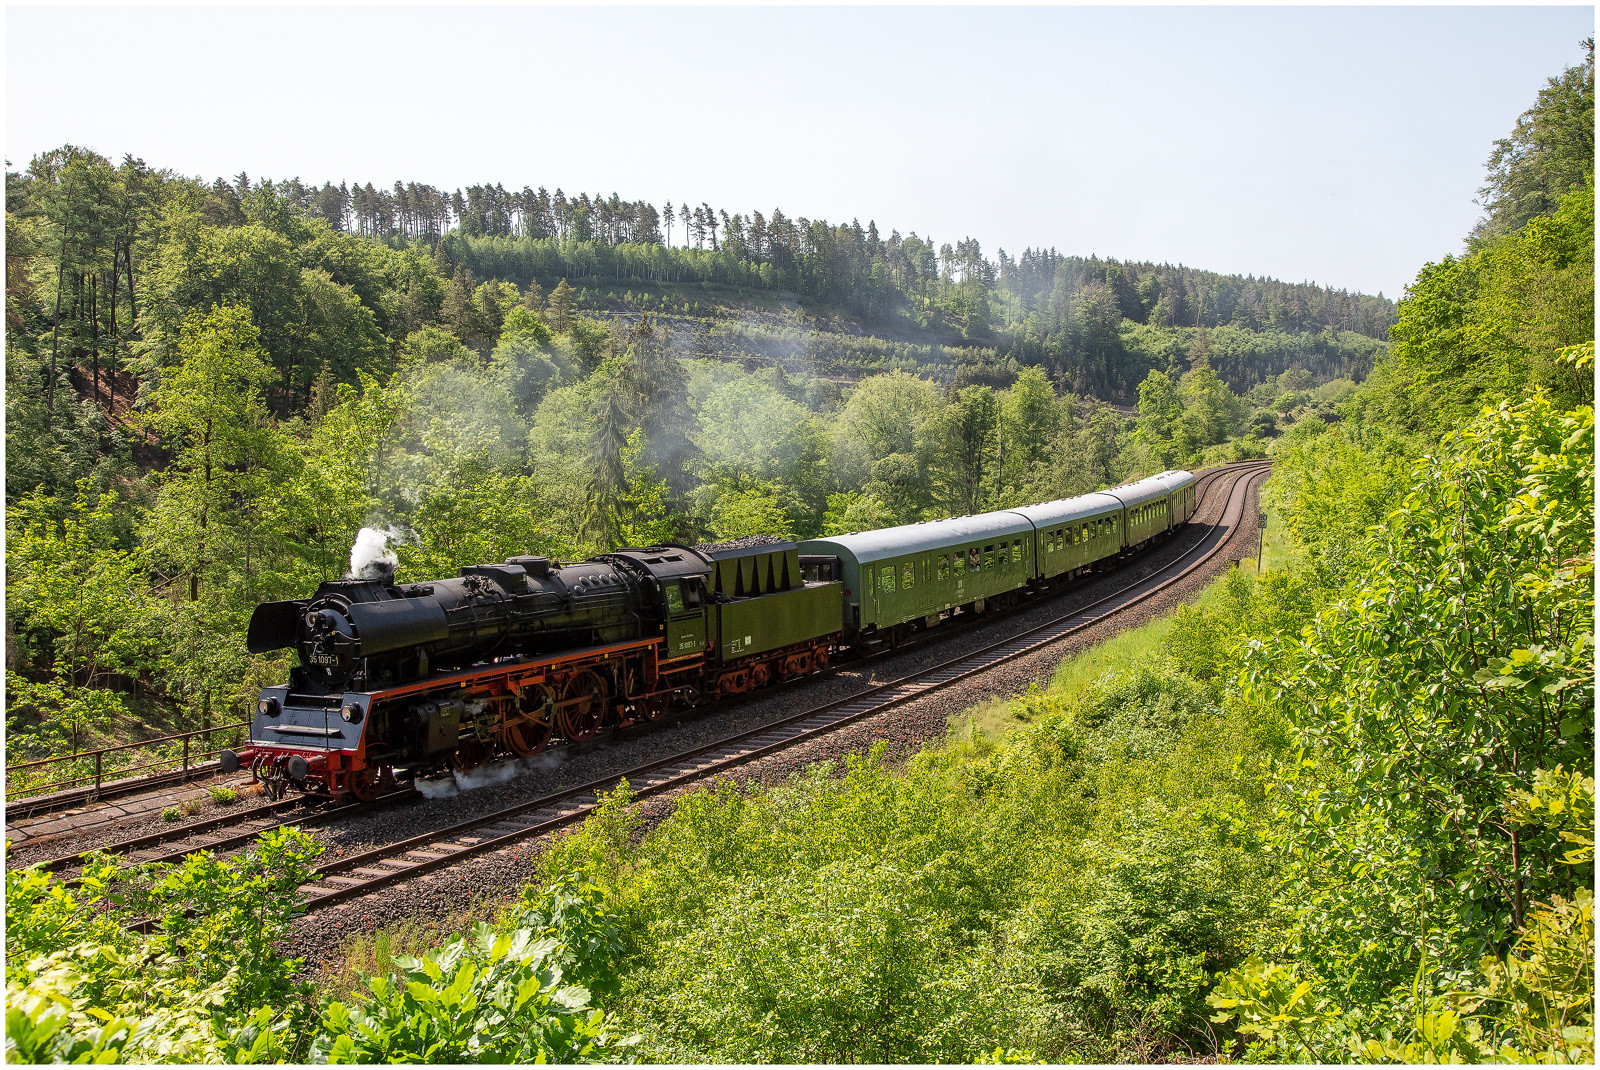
(428, 851)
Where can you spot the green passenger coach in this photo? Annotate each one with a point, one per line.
(917, 572)
(1075, 533)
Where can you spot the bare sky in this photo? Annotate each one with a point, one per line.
(1338, 145)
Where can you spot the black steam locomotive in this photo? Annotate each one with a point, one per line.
(418, 677)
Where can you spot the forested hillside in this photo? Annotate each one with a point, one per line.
(212, 387)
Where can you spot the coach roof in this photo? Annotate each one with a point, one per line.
(1145, 490)
(1070, 510)
(926, 537)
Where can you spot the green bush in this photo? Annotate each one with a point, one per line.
(1429, 704)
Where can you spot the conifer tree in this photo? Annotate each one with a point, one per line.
(561, 307)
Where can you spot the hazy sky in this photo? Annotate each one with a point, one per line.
(1340, 145)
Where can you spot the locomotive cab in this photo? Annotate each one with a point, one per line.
(685, 628)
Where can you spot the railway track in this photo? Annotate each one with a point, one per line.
(402, 859)
(367, 871)
(221, 833)
(65, 800)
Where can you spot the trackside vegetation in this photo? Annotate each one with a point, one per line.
(1340, 811)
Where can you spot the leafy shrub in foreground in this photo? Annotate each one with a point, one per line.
(206, 985)
(491, 997)
(1459, 663)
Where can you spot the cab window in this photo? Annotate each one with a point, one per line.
(674, 598)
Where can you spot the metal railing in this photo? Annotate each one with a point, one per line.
(92, 766)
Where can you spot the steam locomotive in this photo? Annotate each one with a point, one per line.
(416, 678)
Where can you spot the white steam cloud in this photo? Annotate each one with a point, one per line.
(370, 550)
(451, 784)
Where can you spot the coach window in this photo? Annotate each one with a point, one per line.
(1016, 550)
(959, 561)
(944, 567)
(908, 576)
(886, 578)
(975, 559)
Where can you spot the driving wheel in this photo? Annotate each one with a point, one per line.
(580, 721)
(527, 737)
(469, 755)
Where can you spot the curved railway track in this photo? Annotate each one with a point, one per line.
(367, 871)
(357, 874)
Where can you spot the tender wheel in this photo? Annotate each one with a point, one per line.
(367, 784)
(581, 720)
